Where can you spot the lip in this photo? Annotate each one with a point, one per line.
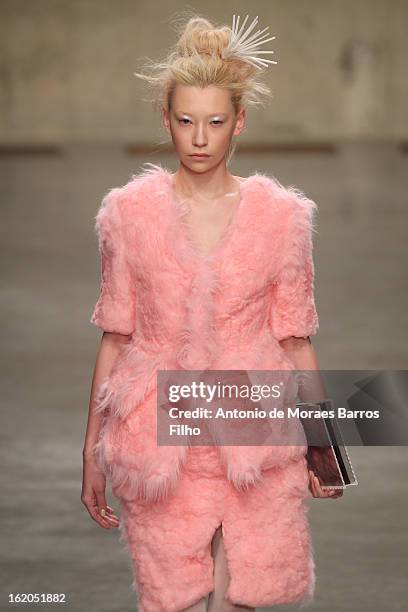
(202, 155)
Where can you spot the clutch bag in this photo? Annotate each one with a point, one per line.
(327, 455)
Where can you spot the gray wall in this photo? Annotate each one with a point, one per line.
(66, 69)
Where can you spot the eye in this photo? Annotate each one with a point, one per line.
(185, 121)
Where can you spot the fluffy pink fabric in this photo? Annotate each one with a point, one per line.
(265, 530)
(185, 311)
(226, 311)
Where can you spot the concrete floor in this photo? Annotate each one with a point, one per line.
(51, 280)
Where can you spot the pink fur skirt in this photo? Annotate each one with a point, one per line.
(265, 528)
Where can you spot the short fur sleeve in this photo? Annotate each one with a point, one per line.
(293, 309)
(115, 309)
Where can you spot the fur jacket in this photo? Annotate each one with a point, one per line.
(184, 310)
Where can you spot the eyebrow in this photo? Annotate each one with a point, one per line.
(185, 113)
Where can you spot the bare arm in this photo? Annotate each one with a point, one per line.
(93, 480)
(301, 352)
(108, 351)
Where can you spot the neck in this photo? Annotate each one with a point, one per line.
(206, 187)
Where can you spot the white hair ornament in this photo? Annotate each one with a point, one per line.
(245, 47)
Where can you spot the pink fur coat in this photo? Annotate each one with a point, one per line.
(183, 310)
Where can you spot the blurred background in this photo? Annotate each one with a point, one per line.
(74, 123)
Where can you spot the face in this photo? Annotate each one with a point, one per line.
(202, 121)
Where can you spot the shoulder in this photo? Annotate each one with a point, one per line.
(123, 204)
(290, 206)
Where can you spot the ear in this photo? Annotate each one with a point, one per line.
(166, 119)
(240, 122)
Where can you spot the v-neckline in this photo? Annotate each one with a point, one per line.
(180, 210)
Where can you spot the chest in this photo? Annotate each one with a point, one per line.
(232, 248)
(205, 224)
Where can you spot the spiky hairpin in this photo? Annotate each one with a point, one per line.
(245, 47)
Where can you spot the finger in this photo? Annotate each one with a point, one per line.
(110, 515)
(90, 505)
(325, 492)
(321, 492)
(312, 484)
(98, 517)
(90, 502)
(111, 512)
(93, 511)
(332, 492)
(101, 521)
(111, 518)
(319, 489)
(101, 502)
(311, 476)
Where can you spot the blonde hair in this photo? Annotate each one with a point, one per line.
(196, 60)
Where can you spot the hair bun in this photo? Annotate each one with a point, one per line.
(201, 37)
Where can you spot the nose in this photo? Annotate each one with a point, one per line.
(200, 137)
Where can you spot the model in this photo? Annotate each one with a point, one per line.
(203, 270)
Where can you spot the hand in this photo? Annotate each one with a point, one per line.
(317, 491)
(93, 495)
